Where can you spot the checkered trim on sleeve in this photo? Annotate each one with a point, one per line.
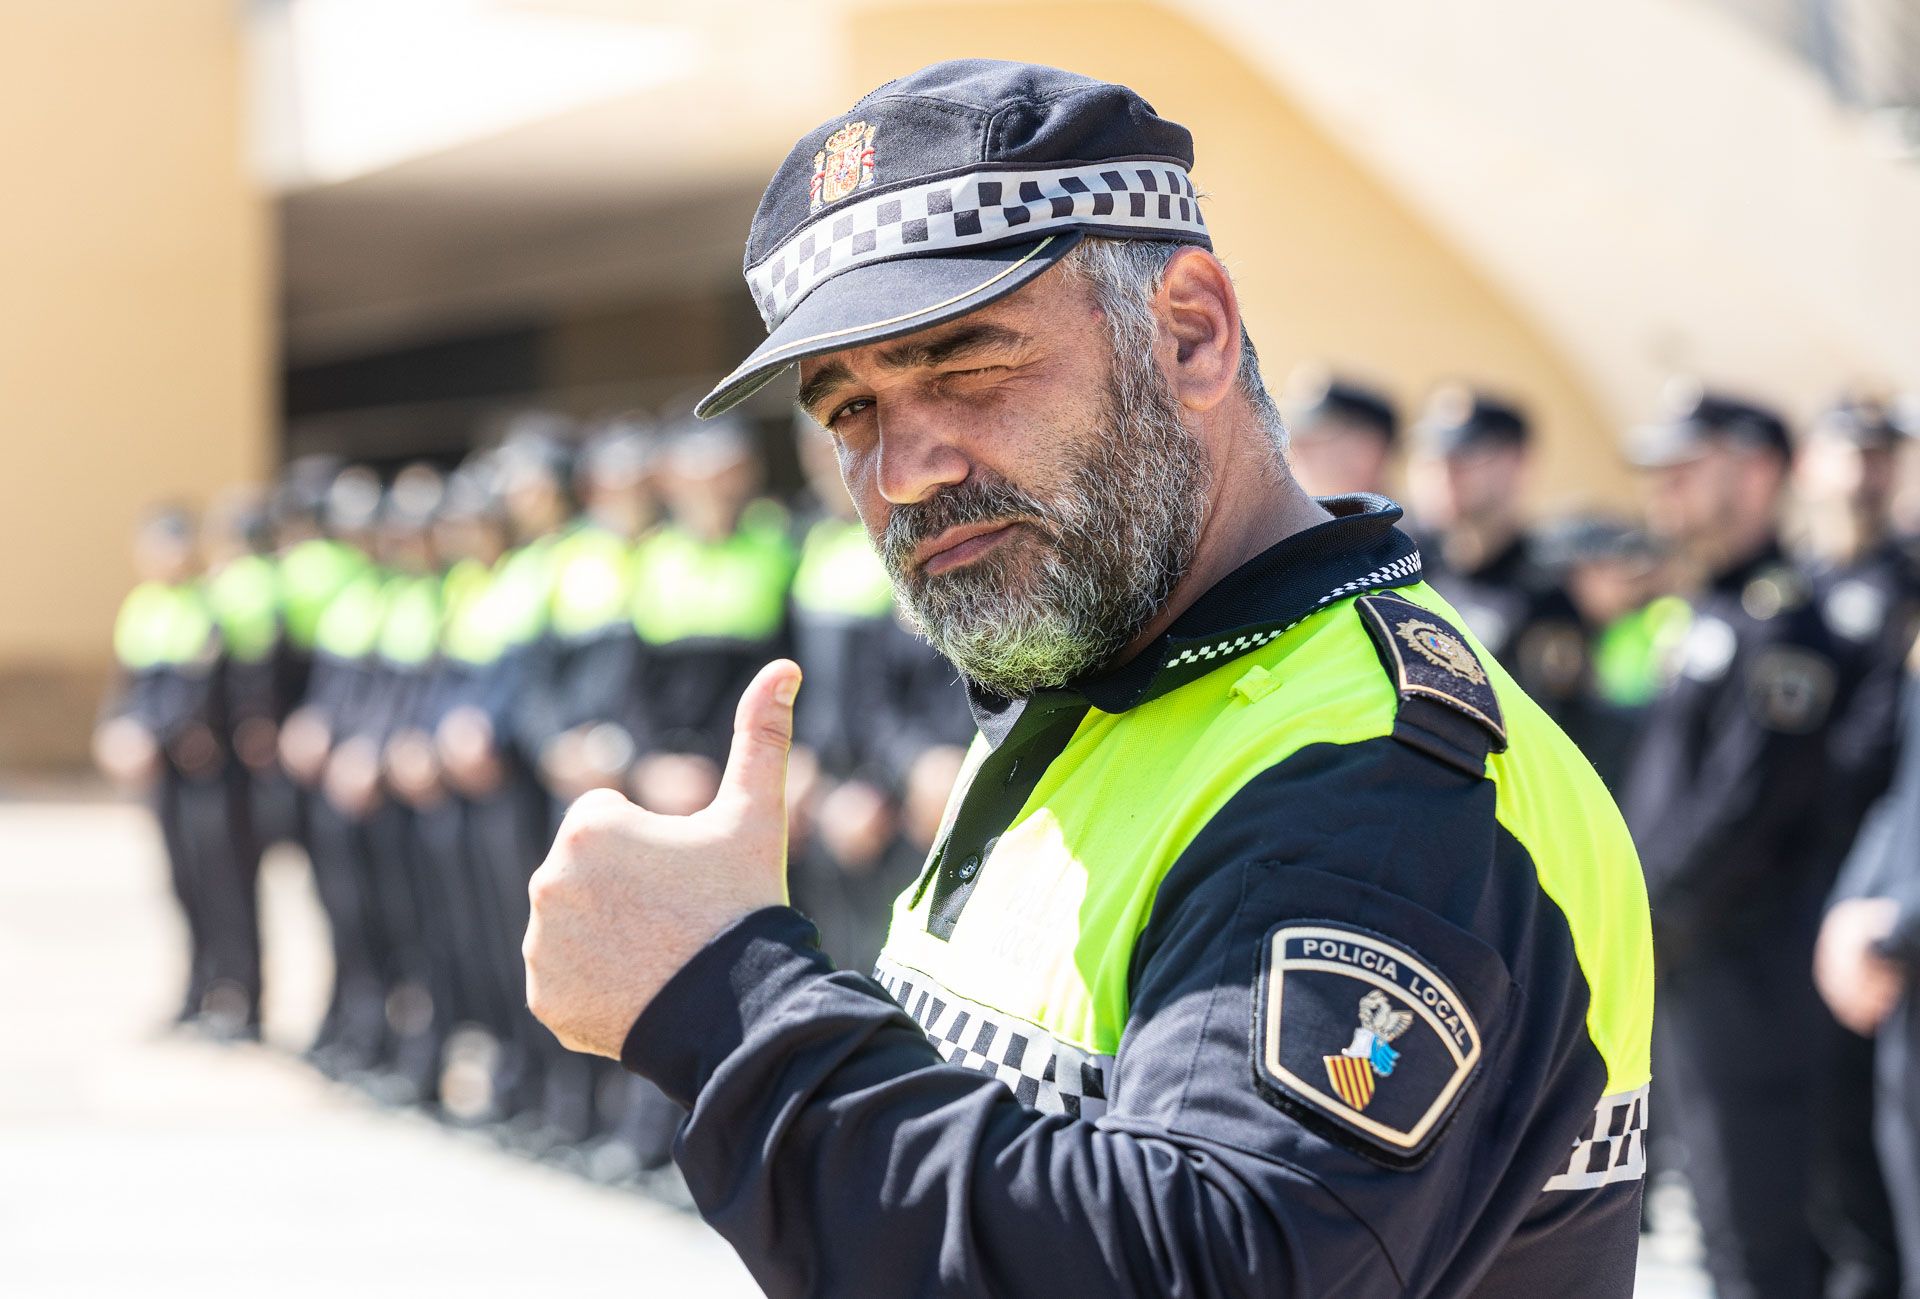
(1398, 573)
(1613, 1148)
(1042, 1072)
(1151, 196)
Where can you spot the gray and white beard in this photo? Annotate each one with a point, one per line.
(1101, 556)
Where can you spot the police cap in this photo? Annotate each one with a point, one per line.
(1458, 419)
(1315, 395)
(1866, 422)
(947, 190)
(1697, 419)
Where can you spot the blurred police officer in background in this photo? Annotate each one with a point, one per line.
(1727, 802)
(546, 1094)
(1615, 575)
(1867, 585)
(572, 721)
(165, 732)
(1342, 432)
(1866, 579)
(469, 540)
(585, 668)
(423, 990)
(709, 606)
(244, 592)
(318, 749)
(1466, 481)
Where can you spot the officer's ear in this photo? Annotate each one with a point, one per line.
(1200, 339)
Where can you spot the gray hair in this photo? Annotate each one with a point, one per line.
(1124, 274)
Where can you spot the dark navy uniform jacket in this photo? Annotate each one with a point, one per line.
(1301, 955)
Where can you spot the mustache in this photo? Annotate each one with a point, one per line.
(977, 500)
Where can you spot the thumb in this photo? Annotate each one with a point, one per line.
(755, 781)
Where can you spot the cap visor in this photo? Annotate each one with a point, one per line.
(883, 300)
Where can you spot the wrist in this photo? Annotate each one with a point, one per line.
(702, 1012)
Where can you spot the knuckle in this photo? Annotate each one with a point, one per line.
(590, 816)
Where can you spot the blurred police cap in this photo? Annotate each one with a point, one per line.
(1458, 419)
(1318, 401)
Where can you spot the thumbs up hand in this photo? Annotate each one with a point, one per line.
(626, 897)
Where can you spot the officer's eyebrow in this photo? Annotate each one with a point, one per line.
(914, 353)
(833, 374)
(963, 342)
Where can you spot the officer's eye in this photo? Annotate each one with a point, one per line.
(846, 409)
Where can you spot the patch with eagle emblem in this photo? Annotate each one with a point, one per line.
(1356, 1031)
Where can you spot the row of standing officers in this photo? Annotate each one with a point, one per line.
(1741, 699)
(414, 681)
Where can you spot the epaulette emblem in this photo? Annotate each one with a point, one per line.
(1430, 659)
(1441, 650)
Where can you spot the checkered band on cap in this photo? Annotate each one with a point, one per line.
(1144, 198)
(1043, 1073)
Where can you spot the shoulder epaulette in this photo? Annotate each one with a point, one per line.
(1448, 708)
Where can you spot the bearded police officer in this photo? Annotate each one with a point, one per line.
(1275, 942)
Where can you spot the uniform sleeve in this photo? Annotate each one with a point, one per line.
(1883, 863)
(829, 1143)
(1865, 737)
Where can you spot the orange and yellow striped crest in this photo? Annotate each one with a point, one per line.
(1351, 1078)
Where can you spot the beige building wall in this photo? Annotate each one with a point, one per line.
(1328, 263)
(134, 342)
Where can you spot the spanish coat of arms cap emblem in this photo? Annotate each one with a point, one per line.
(843, 165)
(1441, 649)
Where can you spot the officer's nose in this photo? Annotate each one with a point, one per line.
(920, 452)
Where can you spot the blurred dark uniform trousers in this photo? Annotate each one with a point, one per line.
(1728, 805)
(169, 649)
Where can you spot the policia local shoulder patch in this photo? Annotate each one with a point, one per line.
(1355, 1030)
